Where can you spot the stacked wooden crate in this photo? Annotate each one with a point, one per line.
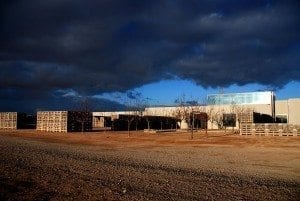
(64, 121)
(8, 120)
(246, 120)
(247, 117)
(259, 129)
(278, 129)
(53, 121)
(248, 127)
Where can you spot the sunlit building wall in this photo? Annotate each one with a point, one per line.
(229, 105)
(288, 111)
(262, 102)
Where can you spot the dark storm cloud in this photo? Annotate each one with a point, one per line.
(134, 95)
(30, 101)
(91, 47)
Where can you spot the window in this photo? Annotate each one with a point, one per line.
(229, 120)
(281, 118)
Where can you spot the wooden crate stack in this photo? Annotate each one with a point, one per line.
(8, 120)
(246, 122)
(266, 129)
(53, 121)
(259, 129)
(63, 121)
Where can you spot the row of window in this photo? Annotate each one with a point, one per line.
(229, 120)
(240, 98)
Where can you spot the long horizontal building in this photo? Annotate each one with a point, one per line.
(225, 110)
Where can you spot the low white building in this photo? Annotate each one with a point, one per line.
(224, 110)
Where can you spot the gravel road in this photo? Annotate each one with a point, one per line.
(37, 170)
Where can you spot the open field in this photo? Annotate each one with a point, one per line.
(166, 166)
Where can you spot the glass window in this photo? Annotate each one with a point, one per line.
(229, 120)
(240, 98)
(282, 118)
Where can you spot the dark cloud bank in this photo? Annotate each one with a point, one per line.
(53, 50)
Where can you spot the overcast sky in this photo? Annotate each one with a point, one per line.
(54, 52)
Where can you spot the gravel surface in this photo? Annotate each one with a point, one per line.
(37, 170)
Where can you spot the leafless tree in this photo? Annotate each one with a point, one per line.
(198, 111)
(186, 111)
(218, 118)
(135, 107)
(215, 116)
(210, 114)
(130, 119)
(182, 111)
(84, 113)
(239, 110)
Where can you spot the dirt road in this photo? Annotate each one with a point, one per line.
(41, 166)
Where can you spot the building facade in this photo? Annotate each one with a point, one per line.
(225, 110)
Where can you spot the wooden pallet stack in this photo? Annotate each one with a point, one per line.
(53, 121)
(275, 129)
(246, 120)
(248, 127)
(8, 120)
(63, 121)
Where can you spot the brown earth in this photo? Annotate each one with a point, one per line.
(165, 166)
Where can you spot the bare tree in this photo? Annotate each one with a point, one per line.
(215, 116)
(212, 112)
(130, 119)
(135, 107)
(197, 110)
(186, 111)
(84, 114)
(182, 111)
(239, 112)
(139, 108)
(211, 115)
(218, 118)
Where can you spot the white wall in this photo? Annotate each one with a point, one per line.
(291, 108)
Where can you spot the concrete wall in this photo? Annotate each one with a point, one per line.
(160, 111)
(294, 111)
(290, 108)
